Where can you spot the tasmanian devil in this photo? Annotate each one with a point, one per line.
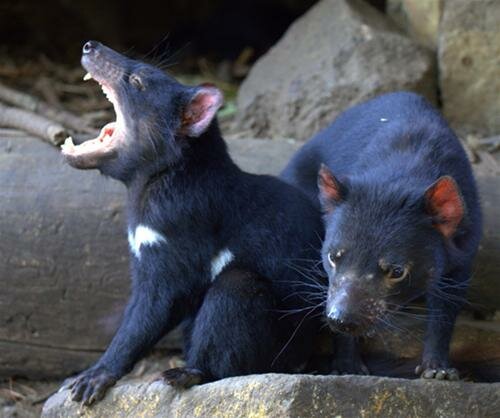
(402, 220)
(222, 251)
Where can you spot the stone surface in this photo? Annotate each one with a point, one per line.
(336, 55)
(469, 64)
(284, 396)
(419, 18)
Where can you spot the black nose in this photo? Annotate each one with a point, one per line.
(90, 46)
(339, 320)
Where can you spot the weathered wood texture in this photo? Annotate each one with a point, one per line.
(64, 258)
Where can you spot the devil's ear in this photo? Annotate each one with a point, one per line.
(331, 190)
(200, 110)
(444, 202)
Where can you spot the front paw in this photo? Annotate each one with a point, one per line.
(349, 366)
(438, 370)
(182, 377)
(91, 385)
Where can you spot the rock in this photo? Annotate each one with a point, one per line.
(338, 54)
(262, 156)
(283, 396)
(469, 64)
(419, 18)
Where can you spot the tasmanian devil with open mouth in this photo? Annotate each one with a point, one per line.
(402, 220)
(219, 250)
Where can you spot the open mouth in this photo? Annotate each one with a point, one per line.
(90, 153)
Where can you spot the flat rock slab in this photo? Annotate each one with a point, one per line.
(282, 396)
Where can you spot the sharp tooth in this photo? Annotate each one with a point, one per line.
(87, 77)
(68, 143)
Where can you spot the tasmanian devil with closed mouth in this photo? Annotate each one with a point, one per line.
(217, 249)
(402, 220)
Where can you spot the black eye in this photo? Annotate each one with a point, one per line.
(334, 256)
(136, 81)
(397, 273)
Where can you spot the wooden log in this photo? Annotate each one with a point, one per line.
(48, 130)
(64, 258)
(35, 105)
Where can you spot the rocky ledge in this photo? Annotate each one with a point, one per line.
(303, 396)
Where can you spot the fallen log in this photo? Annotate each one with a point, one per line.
(48, 130)
(35, 105)
(64, 258)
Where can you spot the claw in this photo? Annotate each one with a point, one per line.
(77, 392)
(441, 374)
(437, 372)
(67, 384)
(351, 367)
(91, 386)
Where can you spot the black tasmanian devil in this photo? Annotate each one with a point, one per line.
(220, 250)
(402, 219)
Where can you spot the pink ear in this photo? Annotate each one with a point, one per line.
(201, 110)
(330, 189)
(444, 202)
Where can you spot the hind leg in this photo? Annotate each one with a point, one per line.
(236, 332)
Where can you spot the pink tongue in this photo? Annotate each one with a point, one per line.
(108, 130)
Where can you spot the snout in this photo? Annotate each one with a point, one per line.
(342, 321)
(352, 307)
(94, 59)
(103, 64)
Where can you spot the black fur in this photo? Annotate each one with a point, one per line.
(254, 317)
(385, 155)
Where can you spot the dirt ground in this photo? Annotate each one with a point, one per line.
(21, 398)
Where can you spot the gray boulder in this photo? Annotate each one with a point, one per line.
(336, 55)
(469, 64)
(419, 18)
(283, 396)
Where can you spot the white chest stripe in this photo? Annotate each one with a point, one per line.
(221, 260)
(143, 235)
